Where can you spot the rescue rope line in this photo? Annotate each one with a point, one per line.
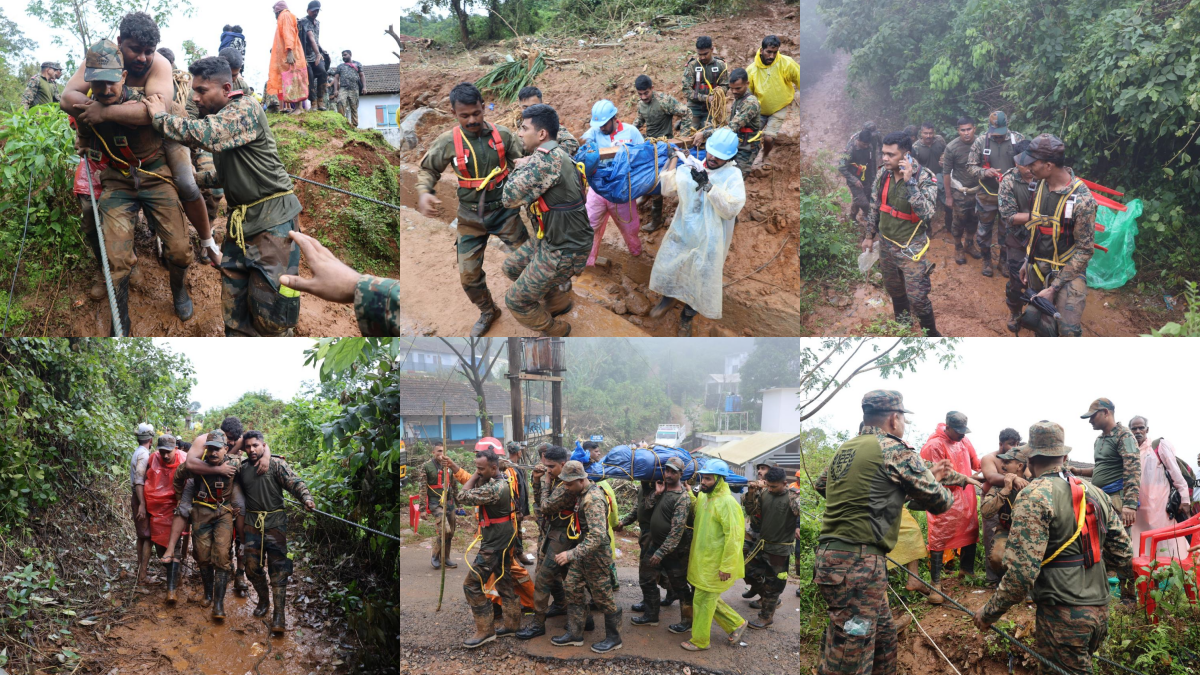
(112, 296)
(361, 527)
(17, 269)
(347, 192)
(763, 266)
(927, 637)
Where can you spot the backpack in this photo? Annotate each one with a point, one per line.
(1174, 500)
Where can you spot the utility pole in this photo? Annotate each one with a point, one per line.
(556, 425)
(519, 371)
(514, 389)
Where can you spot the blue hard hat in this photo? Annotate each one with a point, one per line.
(723, 143)
(716, 467)
(603, 111)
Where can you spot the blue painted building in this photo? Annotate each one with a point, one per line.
(420, 408)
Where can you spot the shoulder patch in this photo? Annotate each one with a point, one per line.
(899, 440)
(840, 466)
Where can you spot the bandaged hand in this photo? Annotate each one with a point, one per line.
(210, 249)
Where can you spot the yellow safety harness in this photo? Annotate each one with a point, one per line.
(1054, 224)
(237, 219)
(479, 536)
(1078, 527)
(129, 167)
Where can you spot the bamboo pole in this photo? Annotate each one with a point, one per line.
(442, 531)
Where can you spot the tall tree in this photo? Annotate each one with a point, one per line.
(79, 23)
(193, 51)
(473, 363)
(13, 46)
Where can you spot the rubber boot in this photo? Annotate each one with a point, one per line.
(536, 628)
(510, 615)
(485, 630)
(487, 316)
(987, 261)
(969, 247)
(558, 328)
(656, 216)
(179, 292)
(121, 294)
(221, 584)
(559, 606)
(902, 309)
(1002, 261)
(559, 302)
(574, 635)
(766, 616)
(685, 618)
(435, 563)
(927, 325)
(662, 307)
(1014, 319)
(589, 625)
(670, 598)
(172, 582)
(612, 633)
(264, 597)
(239, 582)
(652, 602)
(685, 323)
(206, 576)
(959, 256)
(278, 618)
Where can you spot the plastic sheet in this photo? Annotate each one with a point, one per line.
(640, 464)
(1114, 268)
(160, 495)
(631, 174)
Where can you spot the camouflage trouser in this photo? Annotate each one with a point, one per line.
(699, 115)
(1070, 635)
(904, 277)
(119, 204)
(347, 101)
(202, 161)
(253, 301)
(1015, 240)
(1069, 301)
(439, 537)
(212, 532)
(861, 637)
(767, 575)
(472, 242)
(89, 225)
(269, 549)
(489, 563)
(745, 156)
(995, 555)
(860, 203)
(964, 214)
(550, 575)
(671, 572)
(987, 214)
(594, 574)
(537, 272)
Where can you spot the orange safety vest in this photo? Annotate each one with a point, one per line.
(1089, 531)
(883, 205)
(465, 180)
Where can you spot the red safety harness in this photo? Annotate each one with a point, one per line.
(485, 520)
(885, 208)
(465, 179)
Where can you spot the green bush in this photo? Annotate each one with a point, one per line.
(1191, 317)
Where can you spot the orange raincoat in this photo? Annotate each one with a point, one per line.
(288, 81)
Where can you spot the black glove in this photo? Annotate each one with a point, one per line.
(701, 178)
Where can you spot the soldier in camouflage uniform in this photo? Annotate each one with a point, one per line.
(43, 88)
(266, 538)
(865, 486)
(434, 477)
(263, 208)
(1063, 229)
(701, 74)
(554, 507)
(991, 155)
(494, 495)
(347, 82)
(146, 187)
(859, 165)
(481, 170)
(665, 542)
(744, 120)
(213, 511)
(928, 148)
(961, 186)
(590, 564)
(766, 567)
(530, 96)
(1014, 201)
(550, 185)
(902, 204)
(1062, 572)
(656, 115)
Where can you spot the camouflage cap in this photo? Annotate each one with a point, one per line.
(216, 439)
(572, 470)
(103, 63)
(51, 64)
(1046, 440)
(1019, 453)
(883, 400)
(1098, 405)
(1045, 147)
(957, 421)
(674, 463)
(166, 441)
(998, 123)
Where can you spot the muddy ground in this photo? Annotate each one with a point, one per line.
(433, 640)
(773, 301)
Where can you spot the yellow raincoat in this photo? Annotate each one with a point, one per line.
(612, 515)
(772, 84)
(717, 540)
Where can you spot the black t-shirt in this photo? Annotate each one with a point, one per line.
(304, 26)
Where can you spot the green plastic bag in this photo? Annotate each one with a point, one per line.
(1114, 268)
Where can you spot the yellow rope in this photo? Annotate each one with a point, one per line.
(1079, 527)
(118, 159)
(479, 535)
(237, 218)
(1058, 261)
(260, 524)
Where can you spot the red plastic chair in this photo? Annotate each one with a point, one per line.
(414, 512)
(1143, 562)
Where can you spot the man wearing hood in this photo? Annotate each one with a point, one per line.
(957, 528)
(716, 557)
(772, 79)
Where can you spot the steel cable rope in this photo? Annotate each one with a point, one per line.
(17, 269)
(922, 628)
(348, 522)
(112, 299)
(347, 192)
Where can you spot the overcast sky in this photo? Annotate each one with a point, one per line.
(357, 25)
(1001, 382)
(226, 369)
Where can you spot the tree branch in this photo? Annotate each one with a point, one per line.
(861, 369)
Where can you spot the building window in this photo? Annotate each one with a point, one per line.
(385, 115)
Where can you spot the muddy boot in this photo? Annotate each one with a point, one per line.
(685, 322)
(264, 597)
(1014, 319)
(612, 633)
(969, 247)
(685, 618)
(574, 635)
(179, 292)
(559, 606)
(536, 628)
(172, 582)
(662, 307)
(206, 576)
(959, 256)
(1002, 262)
(278, 618)
(766, 616)
(221, 584)
(936, 598)
(987, 262)
(656, 216)
(670, 598)
(98, 291)
(559, 302)
(485, 629)
(902, 310)
(558, 328)
(928, 326)
(488, 314)
(239, 582)
(652, 603)
(510, 616)
(121, 293)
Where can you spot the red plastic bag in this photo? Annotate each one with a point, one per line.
(959, 526)
(160, 495)
(81, 178)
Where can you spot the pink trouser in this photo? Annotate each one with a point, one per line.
(626, 217)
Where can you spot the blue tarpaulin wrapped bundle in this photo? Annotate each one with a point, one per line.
(641, 463)
(631, 174)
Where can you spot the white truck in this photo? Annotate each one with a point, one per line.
(669, 435)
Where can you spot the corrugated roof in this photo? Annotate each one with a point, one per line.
(424, 395)
(745, 450)
(381, 79)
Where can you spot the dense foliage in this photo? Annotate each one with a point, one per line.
(612, 390)
(1118, 80)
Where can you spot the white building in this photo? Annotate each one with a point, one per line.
(379, 101)
(779, 413)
